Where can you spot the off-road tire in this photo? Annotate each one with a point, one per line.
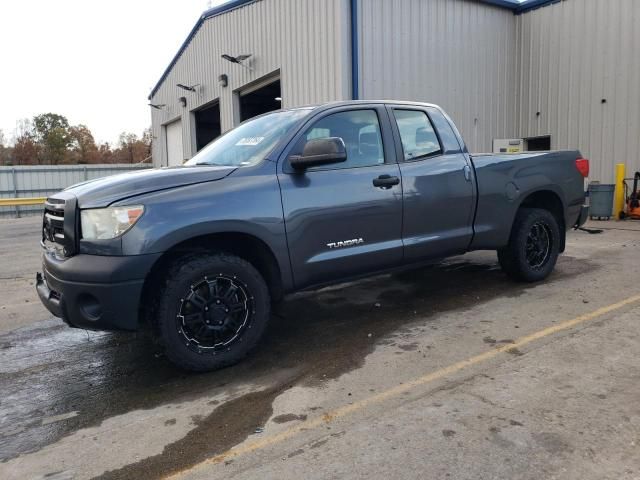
(516, 258)
(178, 284)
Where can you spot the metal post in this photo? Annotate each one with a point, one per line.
(618, 202)
(86, 177)
(15, 190)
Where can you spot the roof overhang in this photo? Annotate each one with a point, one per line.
(513, 5)
(519, 7)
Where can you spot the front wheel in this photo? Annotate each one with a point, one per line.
(212, 311)
(533, 246)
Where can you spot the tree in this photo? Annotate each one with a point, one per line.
(133, 149)
(83, 145)
(49, 139)
(105, 154)
(52, 133)
(25, 149)
(6, 152)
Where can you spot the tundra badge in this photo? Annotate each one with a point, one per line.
(345, 243)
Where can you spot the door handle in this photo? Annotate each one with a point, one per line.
(467, 173)
(385, 181)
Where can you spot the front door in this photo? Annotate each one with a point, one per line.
(437, 181)
(344, 219)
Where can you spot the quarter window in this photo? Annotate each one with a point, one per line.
(360, 131)
(417, 134)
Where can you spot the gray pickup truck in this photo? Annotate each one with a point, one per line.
(292, 200)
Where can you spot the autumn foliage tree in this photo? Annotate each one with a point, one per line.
(83, 146)
(49, 139)
(53, 134)
(25, 148)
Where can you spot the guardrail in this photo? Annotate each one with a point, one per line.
(23, 188)
(19, 202)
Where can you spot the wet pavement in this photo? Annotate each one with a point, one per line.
(66, 389)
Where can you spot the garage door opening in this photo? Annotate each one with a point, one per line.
(262, 99)
(207, 122)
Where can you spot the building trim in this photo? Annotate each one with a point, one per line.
(509, 4)
(529, 5)
(355, 53)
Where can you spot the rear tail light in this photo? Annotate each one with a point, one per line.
(582, 164)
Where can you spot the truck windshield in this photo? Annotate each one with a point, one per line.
(250, 142)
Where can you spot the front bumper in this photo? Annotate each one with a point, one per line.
(94, 292)
(582, 218)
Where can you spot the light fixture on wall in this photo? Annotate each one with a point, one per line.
(183, 101)
(159, 106)
(278, 99)
(223, 80)
(237, 59)
(189, 88)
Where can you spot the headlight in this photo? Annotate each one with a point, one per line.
(104, 223)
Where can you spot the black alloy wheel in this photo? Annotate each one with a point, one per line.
(538, 246)
(214, 313)
(534, 246)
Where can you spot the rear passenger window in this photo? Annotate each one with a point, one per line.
(416, 132)
(447, 137)
(360, 130)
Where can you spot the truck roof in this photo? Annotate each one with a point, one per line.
(339, 103)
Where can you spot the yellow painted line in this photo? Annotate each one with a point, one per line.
(16, 202)
(400, 389)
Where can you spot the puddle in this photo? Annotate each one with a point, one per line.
(51, 371)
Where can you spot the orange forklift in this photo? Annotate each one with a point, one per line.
(633, 199)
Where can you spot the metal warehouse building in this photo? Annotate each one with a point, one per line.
(561, 73)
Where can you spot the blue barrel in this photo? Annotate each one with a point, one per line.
(601, 200)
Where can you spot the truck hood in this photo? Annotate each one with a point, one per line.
(104, 191)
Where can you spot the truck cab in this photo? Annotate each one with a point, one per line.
(292, 200)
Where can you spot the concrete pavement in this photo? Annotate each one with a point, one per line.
(338, 388)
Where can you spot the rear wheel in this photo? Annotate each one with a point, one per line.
(533, 247)
(212, 311)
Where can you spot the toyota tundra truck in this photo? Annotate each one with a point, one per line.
(294, 199)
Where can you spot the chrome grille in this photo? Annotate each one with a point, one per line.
(53, 221)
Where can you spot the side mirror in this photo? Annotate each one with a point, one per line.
(320, 151)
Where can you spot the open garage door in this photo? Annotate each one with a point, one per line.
(175, 156)
(260, 98)
(207, 120)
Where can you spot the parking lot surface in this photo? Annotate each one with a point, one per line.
(449, 371)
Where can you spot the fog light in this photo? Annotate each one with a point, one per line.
(90, 307)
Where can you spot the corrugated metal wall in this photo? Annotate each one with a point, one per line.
(305, 40)
(44, 180)
(573, 55)
(459, 54)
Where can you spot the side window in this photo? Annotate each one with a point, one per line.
(447, 137)
(360, 130)
(417, 134)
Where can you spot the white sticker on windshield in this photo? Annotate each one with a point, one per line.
(250, 141)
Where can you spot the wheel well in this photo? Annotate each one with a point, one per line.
(550, 201)
(245, 246)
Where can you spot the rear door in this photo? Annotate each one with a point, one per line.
(340, 219)
(438, 187)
